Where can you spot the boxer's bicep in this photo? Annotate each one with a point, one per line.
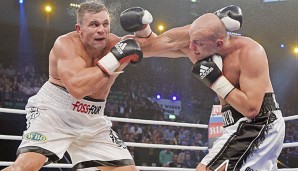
(79, 79)
(253, 80)
(69, 63)
(254, 75)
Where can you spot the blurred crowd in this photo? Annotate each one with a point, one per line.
(130, 98)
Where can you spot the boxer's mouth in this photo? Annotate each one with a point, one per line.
(100, 39)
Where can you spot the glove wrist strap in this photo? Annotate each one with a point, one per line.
(231, 24)
(108, 64)
(145, 33)
(222, 87)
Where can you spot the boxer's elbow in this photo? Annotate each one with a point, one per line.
(76, 94)
(252, 111)
(76, 91)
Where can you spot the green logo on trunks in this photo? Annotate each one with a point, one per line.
(34, 136)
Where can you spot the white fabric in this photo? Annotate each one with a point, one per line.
(109, 63)
(231, 24)
(265, 158)
(145, 32)
(147, 18)
(78, 126)
(218, 61)
(222, 87)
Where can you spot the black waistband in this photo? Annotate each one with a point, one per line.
(85, 98)
(231, 115)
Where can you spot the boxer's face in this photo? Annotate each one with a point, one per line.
(94, 29)
(200, 45)
(202, 42)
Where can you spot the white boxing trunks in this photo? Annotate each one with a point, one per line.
(249, 145)
(57, 122)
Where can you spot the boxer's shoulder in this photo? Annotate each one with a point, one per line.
(244, 43)
(67, 40)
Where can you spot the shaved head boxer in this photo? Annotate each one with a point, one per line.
(236, 68)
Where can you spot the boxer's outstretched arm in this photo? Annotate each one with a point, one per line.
(168, 44)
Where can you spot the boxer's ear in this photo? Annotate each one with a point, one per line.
(219, 43)
(78, 28)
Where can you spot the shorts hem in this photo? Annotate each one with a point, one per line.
(97, 163)
(52, 157)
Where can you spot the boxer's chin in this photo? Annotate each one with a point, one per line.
(100, 45)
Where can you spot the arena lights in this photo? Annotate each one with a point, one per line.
(21, 1)
(174, 98)
(74, 5)
(296, 50)
(161, 27)
(48, 8)
(282, 45)
(158, 96)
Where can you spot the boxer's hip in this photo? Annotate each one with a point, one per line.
(231, 115)
(54, 100)
(244, 138)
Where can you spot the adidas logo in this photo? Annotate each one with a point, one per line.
(204, 71)
(120, 46)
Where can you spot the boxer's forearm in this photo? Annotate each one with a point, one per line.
(84, 82)
(246, 104)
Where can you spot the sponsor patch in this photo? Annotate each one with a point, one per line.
(34, 136)
(86, 108)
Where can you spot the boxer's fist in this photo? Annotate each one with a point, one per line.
(209, 71)
(231, 17)
(136, 20)
(124, 51)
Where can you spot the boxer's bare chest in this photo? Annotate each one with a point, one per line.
(231, 69)
(102, 92)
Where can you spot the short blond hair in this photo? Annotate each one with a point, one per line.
(90, 7)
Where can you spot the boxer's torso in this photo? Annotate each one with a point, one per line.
(233, 62)
(90, 61)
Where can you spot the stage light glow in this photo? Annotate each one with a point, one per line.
(158, 96)
(74, 5)
(48, 8)
(296, 50)
(282, 45)
(161, 27)
(21, 1)
(174, 98)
